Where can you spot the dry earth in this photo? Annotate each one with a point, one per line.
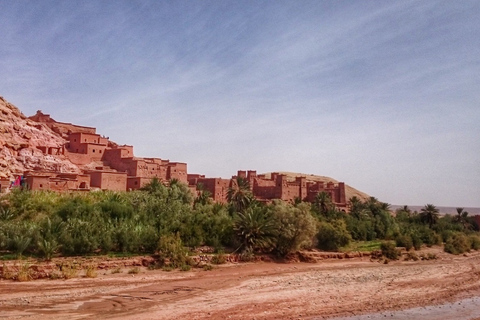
(264, 290)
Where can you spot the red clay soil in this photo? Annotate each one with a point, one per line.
(263, 290)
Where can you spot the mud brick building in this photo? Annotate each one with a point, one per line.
(106, 165)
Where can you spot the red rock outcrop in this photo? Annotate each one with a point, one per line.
(19, 139)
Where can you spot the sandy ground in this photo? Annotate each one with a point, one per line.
(326, 289)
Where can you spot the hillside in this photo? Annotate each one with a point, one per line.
(19, 139)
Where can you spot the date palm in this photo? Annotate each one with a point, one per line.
(429, 214)
(323, 202)
(255, 229)
(462, 218)
(240, 196)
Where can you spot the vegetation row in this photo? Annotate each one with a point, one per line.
(167, 221)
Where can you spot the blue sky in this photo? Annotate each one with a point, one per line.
(383, 95)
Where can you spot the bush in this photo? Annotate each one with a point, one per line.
(69, 270)
(219, 259)
(134, 270)
(404, 241)
(411, 256)
(171, 251)
(185, 267)
(247, 255)
(474, 242)
(91, 271)
(458, 243)
(389, 250)
(332, 236)
(117, 270)
(207, 267)
(295, 228)
(24, 274)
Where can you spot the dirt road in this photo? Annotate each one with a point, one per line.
(329, 288)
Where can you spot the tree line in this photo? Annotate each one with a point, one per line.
(45, 224)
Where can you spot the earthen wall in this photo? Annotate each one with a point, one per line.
(115, 181)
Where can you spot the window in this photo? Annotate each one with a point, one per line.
(136, 182)
(93, 150)
(74, 140)
(41, 185)
(99, 151)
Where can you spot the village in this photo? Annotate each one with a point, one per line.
(108, 166)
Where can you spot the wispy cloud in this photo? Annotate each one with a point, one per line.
(383, 95)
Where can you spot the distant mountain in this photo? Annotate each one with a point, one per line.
(443, 210)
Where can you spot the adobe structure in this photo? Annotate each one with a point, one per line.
(106, 165)
(275, 187)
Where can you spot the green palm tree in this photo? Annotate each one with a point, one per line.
(323, 202)
(429, 214)
(204, 196)
(240, 196)
(153, 186)
(255, 229)
(355, 206)
(462, 218)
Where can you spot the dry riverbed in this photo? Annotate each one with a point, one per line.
(264, 290)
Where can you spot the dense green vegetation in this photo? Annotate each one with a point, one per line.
(167, 219)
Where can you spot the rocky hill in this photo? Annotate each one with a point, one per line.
(19, 139)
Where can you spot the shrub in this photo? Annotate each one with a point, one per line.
(295, 228)
(172, 252)
(117, 270)
(91, 271)
(404, 241)
(255, 229)
(134, 270)
(24, 274)
(474, 242)
(48, 248)
(69, 270)
(219, 259)
(411, 256)
(431, 256)
(247, 255)
(207, 267)
(458, 243)
(55, 275)
(7, 273)
(428, 256)
(416, 242)
(168, 268)
(185, 267)
(332, 236)
(389, 250)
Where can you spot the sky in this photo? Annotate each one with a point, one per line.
(383, 95)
